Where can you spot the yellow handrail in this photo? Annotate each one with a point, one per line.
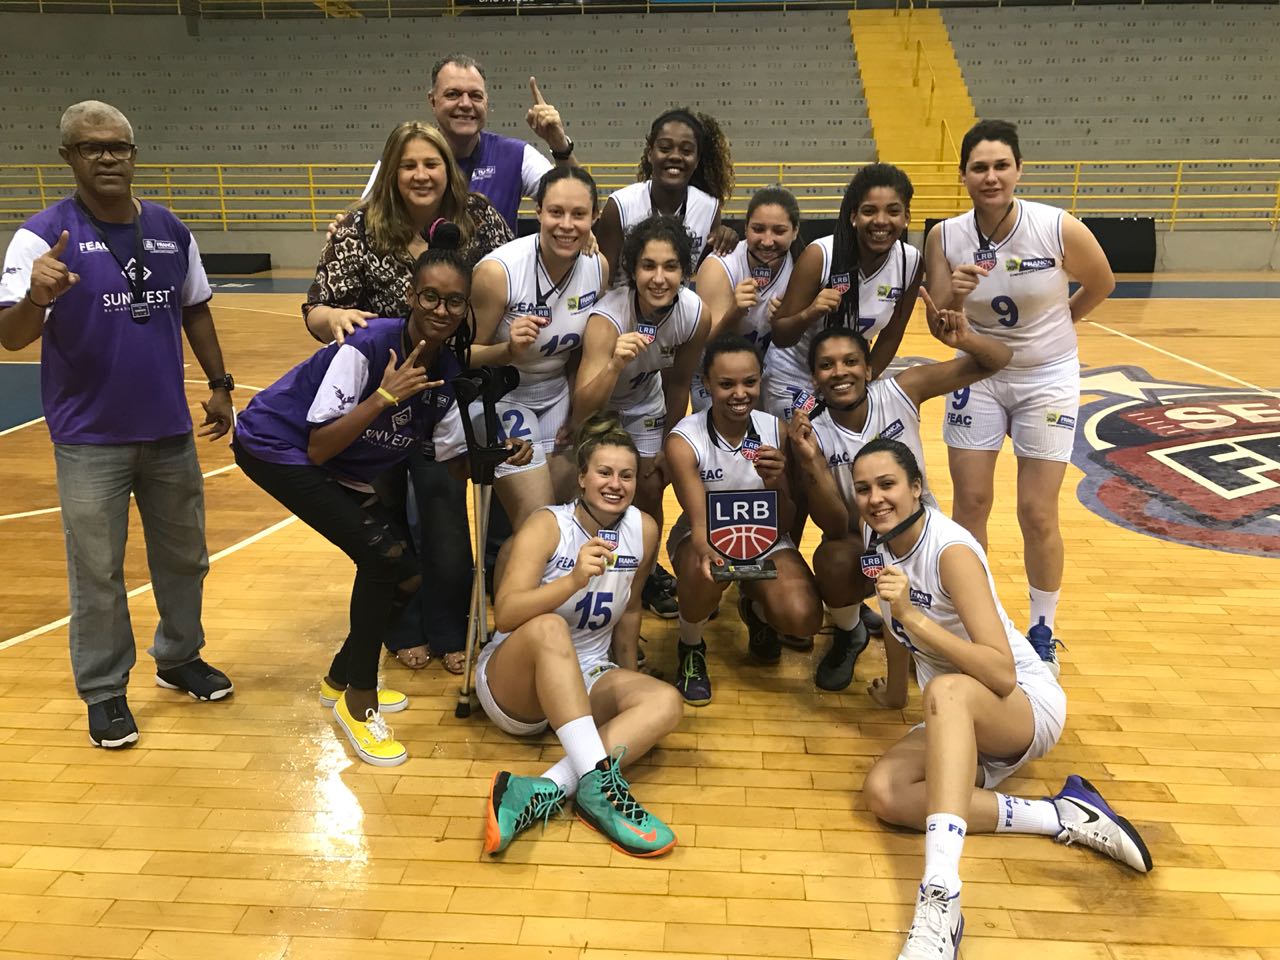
(1243, 192)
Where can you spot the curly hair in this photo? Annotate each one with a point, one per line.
(659, 227)
(714, 172)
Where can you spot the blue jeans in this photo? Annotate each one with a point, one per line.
(94, 484)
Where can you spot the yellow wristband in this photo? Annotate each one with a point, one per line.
(388, 396)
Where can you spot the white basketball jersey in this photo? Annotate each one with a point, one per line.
(922, 567)
(738, 266)
(878, 297)
(700, 209)
(531, 292)
(593, 611)
(891, 415)
(721, 466)
(639, 385)
(1023, 297)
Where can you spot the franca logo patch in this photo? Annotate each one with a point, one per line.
(1194, 464)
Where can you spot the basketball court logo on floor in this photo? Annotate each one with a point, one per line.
(1195, 464)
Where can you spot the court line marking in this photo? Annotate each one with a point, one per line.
(5, 433)
(136, 591)
(46, 510)
(1186, 360)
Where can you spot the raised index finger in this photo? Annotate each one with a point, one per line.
(413, 357)
(537, 94)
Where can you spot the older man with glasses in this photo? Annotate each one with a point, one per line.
(108, 284)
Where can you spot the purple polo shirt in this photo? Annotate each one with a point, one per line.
(105, 378)
(277, 424)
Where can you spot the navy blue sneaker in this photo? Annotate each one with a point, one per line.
(691, 674)
(1088, 819)
(111, 725)
(1045, 645)
(197, 679)
(835, 670)
(763, 642)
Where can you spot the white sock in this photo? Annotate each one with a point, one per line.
(846, 618)
(564, 777)
(1044, 606)
(1016, 815)
(691, 632)
(583, 747)
(943, 844)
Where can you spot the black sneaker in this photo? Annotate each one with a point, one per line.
(111, 724)
(657, 600)
(198, 679)
(692, 679)
(872, 621)
(664, 577)
(763, 642)
(835, 671)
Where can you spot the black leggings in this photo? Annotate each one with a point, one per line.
(362, 526)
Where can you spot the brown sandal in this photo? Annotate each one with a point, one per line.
(415, 658)
(455, 662)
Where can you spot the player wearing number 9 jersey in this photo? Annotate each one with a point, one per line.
(1006, 264)
(565, 597)
(990, 704)
(532, 299)
(733, 446)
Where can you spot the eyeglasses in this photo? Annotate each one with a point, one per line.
(455, 304)
(95, 149)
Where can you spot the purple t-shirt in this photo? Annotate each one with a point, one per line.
(495, 168)
(277, 424)
(104, 378)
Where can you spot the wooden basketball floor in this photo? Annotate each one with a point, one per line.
(246, 830)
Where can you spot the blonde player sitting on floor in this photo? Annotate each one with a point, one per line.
(733, 446)
(852, 410)
(990, 703)
(565, 597)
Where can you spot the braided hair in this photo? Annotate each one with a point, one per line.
(844, 247)
(714, 172)
(445, 241)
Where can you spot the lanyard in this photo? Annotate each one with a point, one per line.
(659, 316)
(724, 444)
(556, 288)
(905, 525)
(984, 243)
(684, 202)
(137, 280)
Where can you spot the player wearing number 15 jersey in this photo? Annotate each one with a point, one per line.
(532, 299)
(1006, 264)
(566, 602)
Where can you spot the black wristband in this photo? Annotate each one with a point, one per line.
(42, 306)
(566, 153)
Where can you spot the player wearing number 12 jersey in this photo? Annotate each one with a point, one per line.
(532, 299)
(1006, 264)
(565, 602)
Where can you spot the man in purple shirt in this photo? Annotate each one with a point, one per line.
(504, 169)
(108, 284)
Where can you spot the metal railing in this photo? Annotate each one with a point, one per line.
(1239, 193)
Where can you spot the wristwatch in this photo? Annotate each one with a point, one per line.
(566, 153)
(224, 382)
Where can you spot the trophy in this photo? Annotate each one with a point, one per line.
(742, 526)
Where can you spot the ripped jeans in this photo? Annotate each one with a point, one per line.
(363, 527)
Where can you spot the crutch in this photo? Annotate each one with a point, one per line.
(488, 384)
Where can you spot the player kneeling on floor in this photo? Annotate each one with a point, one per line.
(990, 703)
(566, 597)
(733, 446)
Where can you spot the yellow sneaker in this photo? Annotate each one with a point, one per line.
(389, 701)
(372, 739)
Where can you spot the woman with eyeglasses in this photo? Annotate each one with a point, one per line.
(533, 297)
(321, 438)
(364, 272)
